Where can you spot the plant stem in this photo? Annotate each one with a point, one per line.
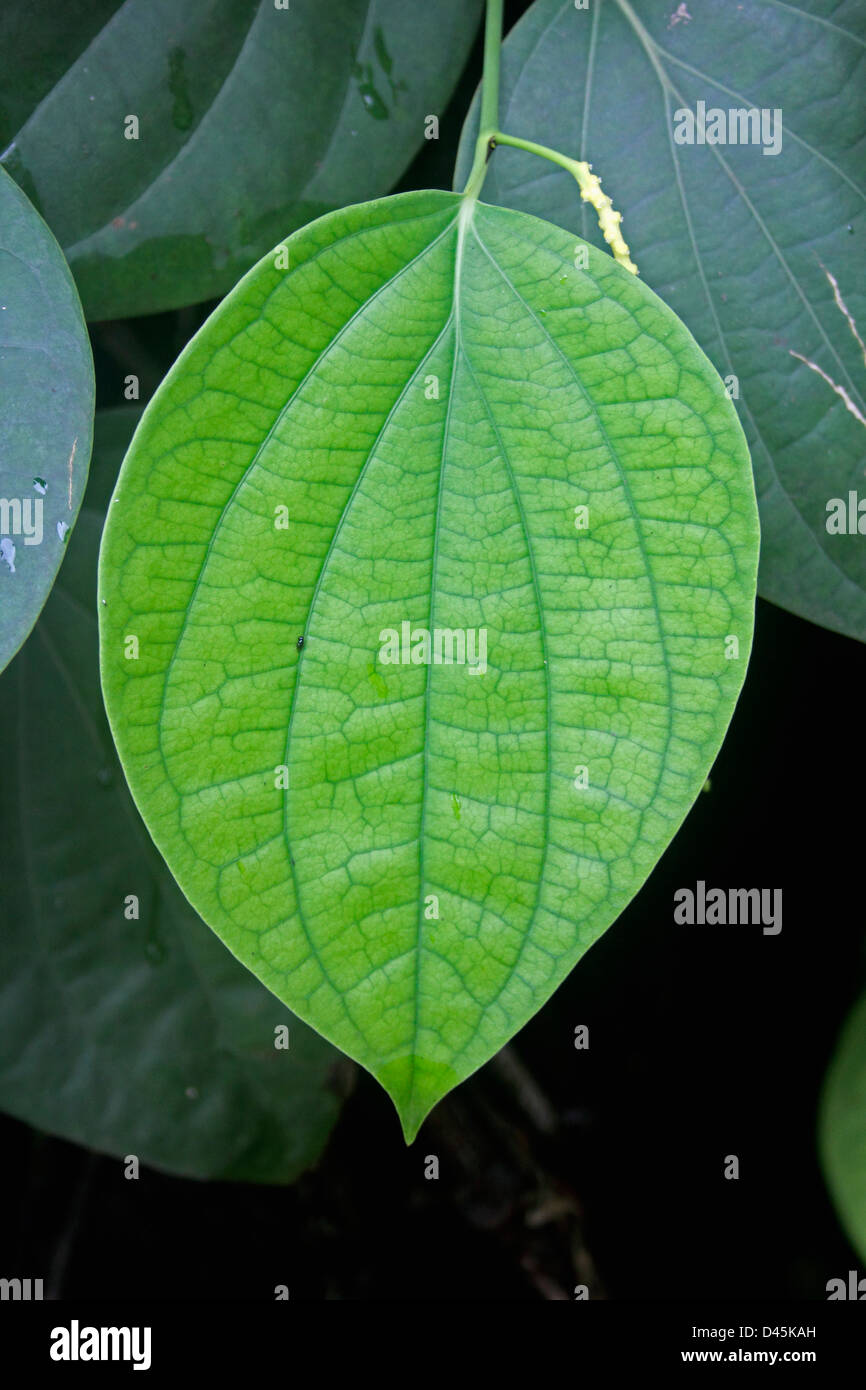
(489, 136)
(490, 77)
(532, 148)
(489, 98)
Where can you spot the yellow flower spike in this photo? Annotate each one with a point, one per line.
(589, 183)
(608, 219)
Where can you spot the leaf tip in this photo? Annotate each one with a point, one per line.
(415, 1085)
(410, 1123)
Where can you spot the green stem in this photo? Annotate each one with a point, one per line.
(489, 98)
(531, 148)
(489, 136)
(490, 77)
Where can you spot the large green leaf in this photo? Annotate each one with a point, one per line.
(741, 244)
(46, 413)
(431, 394)
(251, 120)
(136, 1036)
(842, 1127)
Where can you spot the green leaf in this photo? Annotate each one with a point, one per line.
(741, 244)
(134, 1036)
(428, 394)
(46, 413)
(252, 119)
(842, 1127)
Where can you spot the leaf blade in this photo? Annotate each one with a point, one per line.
(46, 413)
(430, 391)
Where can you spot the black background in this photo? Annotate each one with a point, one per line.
(556, 1166)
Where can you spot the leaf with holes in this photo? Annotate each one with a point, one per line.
(169, 145)
(507, 505)
(46, 413)
(842, 1127)
(757, 245)
(125, 1025)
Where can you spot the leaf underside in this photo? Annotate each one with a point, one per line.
(46, 413)
(131, 1035)
(252, 120)
(431, 393)
(750, 249)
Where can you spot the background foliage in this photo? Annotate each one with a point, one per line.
(603, 1166)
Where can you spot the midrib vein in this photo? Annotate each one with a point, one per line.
(464, 219)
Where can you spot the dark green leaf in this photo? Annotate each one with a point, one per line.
(251, 120)
(134, 1036)
(46, 413)
(741, 244)
(842, 1127)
